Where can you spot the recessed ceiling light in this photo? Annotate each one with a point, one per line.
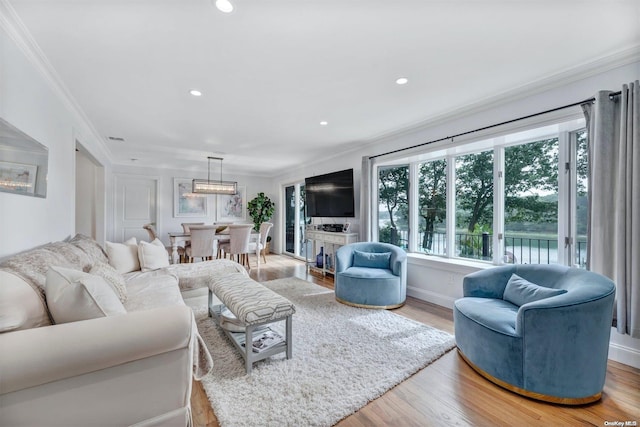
(195, 92)
(224, 6)
(402, 81)
(324, 123)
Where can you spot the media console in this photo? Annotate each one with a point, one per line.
(330, 241)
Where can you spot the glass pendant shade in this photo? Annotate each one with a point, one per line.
(214, 187)
(208, 186)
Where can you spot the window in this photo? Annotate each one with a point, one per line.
(432, 207)
(531, 203)
(515, 198)
(474, 205)
(393, 209)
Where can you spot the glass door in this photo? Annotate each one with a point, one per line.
(290, 219)
(295, 221)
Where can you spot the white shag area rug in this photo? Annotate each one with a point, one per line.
(343, 357)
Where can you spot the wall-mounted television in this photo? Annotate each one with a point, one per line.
(330, 195)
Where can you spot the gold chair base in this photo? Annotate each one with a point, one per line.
(530, 394)
(381, 307)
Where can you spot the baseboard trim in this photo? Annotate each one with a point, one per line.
(623, 354)
(431, 297)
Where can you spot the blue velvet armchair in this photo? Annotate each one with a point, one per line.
(371, 275)
(538, 330)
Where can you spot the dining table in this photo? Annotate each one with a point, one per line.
(175, 238)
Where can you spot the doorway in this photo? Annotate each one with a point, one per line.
(90, 196)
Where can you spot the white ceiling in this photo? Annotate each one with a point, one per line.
(273, 69)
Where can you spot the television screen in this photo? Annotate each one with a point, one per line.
(330, 195)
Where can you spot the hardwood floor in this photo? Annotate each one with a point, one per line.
(448, 392)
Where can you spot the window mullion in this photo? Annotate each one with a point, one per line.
(413, 207)
(566, 198)
(451, 206)
(498, 205)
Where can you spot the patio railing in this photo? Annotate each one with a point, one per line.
(518, 250)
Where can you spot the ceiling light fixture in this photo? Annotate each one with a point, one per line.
(207, 186)
(224, 6)
(195, 92)
(324, 123)
(402, 81)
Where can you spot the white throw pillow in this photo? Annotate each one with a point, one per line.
(74, 295)
(113, 278)
(123, 256)
(152, 255)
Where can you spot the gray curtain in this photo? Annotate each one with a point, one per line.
(613, 123)
(365, 200)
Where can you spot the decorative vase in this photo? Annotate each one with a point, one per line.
(320, 258)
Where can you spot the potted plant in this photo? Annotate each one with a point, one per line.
(261, 210)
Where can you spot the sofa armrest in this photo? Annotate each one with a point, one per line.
(43, 355)
(489, 283)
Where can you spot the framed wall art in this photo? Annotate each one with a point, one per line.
(18, 177)
(232, 208)
(185, 203)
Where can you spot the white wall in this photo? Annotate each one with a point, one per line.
(166, 221)
(31, 102)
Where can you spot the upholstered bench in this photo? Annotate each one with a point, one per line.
(254, 306)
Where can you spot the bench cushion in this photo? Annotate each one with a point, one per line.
(251, 302)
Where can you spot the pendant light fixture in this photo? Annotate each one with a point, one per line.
(201, 186)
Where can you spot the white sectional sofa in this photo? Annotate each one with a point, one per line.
(134, 367)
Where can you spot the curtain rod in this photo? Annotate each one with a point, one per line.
(422, 144)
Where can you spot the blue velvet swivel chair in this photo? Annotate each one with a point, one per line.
(371, 275)
(538, 330)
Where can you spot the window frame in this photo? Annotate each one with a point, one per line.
(566, 125)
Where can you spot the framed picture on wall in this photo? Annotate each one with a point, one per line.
(18, 178)
(232, 208)
(185, 203)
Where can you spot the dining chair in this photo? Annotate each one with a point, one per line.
(238, 245)
(202, 242)
(186, 227)
(260, 245)
(151, 229)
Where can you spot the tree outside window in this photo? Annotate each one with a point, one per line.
(432, 206)
(393, 210)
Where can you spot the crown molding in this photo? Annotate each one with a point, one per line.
(18, 32)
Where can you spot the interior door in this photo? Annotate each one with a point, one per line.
(136, 202)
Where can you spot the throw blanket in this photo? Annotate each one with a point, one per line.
(202, 360)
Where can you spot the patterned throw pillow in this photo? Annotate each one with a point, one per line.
(112, 277)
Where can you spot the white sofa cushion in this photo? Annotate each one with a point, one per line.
(123, 256)
(113, 278)
(74, 295)
(20, 305)
(152, 255)
(151, 289)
